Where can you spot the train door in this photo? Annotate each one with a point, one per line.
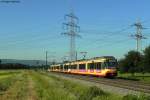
(82, 67)
(61, 67)
(73, 67)
(91, 67)
(65, 68)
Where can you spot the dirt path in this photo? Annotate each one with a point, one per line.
(31, 95)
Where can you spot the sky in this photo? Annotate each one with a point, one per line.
(30, 28)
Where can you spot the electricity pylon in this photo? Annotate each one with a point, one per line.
(46, 58)
(71, 29)
(138, 36)
(84, 54)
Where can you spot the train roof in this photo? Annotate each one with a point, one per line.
(84, 60)
(102, 57)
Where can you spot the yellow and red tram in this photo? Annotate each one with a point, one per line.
(105, 66)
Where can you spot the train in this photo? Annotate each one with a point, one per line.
(105, 66)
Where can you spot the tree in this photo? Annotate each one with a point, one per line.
(122, 66)
(0, 63)
(131, 62)
(146, 60)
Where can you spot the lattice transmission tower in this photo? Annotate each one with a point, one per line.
(138, 36)
(72, 30)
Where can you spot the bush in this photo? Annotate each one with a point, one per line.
(135, 62)
(131, 62)
(146, 60)
(130, 97)
(5, 83)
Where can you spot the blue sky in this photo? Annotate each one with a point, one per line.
(29, 28)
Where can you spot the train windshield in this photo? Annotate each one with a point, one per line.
(110, 64)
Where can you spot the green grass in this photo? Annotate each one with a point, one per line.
(133, 97)
(32, 85)
(138, 76)
(14, 87)
(9, 71)
(48, 88)
(6, 80)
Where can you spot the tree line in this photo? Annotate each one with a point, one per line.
(13, 66)
(20, 66)
(135, 61)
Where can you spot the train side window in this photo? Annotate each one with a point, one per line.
(81, 66)
(57, 67)
(73, 66)
(95, 65)
(90, 65)
(61, 66)
(66, 67)
(103, 65)
(98, 65)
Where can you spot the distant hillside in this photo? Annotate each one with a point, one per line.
(26, 62)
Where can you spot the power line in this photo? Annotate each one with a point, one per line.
(109, 36)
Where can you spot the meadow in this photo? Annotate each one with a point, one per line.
(145, 78)
(40, 85)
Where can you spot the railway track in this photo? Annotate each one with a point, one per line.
(125, 84)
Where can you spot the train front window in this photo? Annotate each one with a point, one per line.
(110, 64)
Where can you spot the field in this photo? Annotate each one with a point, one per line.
(38, 85)
(137, 76)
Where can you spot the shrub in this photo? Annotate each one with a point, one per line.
(130, 97)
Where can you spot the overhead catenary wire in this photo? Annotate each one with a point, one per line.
(108, 36)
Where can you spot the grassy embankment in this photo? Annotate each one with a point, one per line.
(31, 85)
